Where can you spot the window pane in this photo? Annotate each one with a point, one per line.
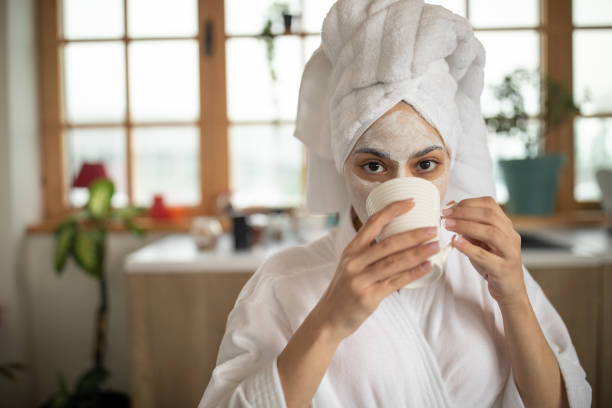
(592, 12)
(504, 13)
(592, 68)
(252, 95)
(593, 150)
(166, 162)
(456, 6)
(249, 17)
(266, 165)
(164, 80)
(314, 13)
(500, 62)
(311, 43)
(162, 18)
(94, 77)
(97, 145)
(507, 148)
(93, 19)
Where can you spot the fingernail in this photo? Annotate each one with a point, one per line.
(450, 204)
(432, 245)
(449, 222)
(458, 238)
(431, 231)
(447, 212)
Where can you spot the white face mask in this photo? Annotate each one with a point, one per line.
(399, 144)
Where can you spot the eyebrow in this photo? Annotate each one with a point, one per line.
(386, 155)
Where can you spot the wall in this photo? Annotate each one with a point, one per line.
(46, 322)
(19, 176)
(61, 311)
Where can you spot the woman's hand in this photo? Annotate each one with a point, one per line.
(488, 238)
(368, 271)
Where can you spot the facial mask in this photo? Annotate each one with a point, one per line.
(401, 133)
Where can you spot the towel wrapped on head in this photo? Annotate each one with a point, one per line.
(374, 54)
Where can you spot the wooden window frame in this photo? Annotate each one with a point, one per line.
(213, 123)
(559, 66)
(556, 27)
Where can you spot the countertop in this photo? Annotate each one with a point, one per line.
(588, 247)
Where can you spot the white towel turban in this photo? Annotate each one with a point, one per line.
(374, 54)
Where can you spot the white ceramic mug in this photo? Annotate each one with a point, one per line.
(425, 213)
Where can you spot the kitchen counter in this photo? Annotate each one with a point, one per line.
(178, 252)
(180, 298)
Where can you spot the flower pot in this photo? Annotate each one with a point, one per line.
(532, 183)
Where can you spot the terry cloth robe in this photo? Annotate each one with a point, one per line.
(439, 346)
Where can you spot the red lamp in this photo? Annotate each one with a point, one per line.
(89, 173)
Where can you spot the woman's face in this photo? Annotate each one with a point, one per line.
(399, 144)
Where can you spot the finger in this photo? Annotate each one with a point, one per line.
(483, 215)
(401, 279)
(398, 262)
(491, 235)
(376, 222)
(477, 254)
(485, 201)
(395, 243)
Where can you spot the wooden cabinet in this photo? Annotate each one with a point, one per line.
(177, 322)
(605, 383)
(583, 298)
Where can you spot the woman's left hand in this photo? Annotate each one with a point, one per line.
(488, 238)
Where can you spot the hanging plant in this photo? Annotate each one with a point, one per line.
(276, 14)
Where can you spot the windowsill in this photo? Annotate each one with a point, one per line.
(146, 223)
(578, 218)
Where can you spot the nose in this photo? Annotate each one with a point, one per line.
(403, 170)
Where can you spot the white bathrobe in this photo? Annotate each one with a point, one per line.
(440, 346)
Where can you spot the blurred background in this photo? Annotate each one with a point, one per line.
(188, 107)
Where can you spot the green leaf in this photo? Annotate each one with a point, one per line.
(64, 239)
(129, 212)
(88, 250)
(100, 194)
(91, 380)
(133, 227)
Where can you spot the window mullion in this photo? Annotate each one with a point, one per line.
(557, 65)
(214, 157)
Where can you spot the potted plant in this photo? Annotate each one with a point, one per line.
(83, 237)
(532, 181)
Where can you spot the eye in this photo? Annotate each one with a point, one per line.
(373, 167)
(427, 165)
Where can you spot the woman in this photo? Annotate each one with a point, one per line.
(394, 91)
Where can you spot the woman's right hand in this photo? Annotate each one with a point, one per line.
(368, 271)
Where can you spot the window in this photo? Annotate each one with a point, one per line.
(593, 84)
(176, 97)
(132, 97)
(503, 26)
(266, 162)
